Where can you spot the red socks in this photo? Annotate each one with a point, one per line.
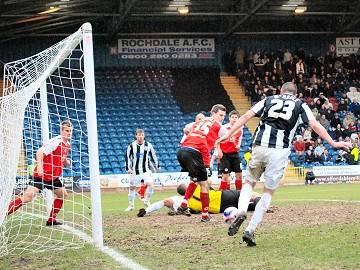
(17, 203)
(204, 197)
(238, 184)
(14, 205)
(55, 209)
(141, 191)
(223, 185)
(188, 194)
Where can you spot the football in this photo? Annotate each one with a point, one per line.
(230, 214)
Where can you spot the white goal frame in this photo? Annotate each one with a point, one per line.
(84, 35)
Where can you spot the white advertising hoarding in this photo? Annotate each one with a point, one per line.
(160, 179)
(350, 173)
(170, 48)
(347, 45)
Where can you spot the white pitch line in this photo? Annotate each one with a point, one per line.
(121, 259)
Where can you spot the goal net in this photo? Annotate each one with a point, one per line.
(39, 93)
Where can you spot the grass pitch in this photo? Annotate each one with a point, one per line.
(312, 227)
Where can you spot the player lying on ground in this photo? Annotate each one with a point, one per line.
(50, 160)
(219, 201)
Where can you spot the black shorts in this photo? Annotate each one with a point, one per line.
(230, 162)
(41, 184)
(191, 161)
(231, 198)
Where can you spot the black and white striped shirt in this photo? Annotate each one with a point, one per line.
(138, 157)
(280, 116)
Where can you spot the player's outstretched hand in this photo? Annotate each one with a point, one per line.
(221, 139)
(344, 145)
(141, 213)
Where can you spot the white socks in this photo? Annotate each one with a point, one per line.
(244, 199)
(154, 207)
(131, 197)
(260, 209)
(149, 192)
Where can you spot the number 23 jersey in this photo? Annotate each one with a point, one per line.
(280, 115)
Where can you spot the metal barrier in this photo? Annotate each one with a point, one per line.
(294, 175)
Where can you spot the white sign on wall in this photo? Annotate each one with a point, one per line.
(170, 48)
(347, 45)
(160, 179)
(334, 174)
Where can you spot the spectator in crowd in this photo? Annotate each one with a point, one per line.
(325, 157)
(353, 94)
(307, 135)
(239, 55)
(299, 146)
(344, 157)
(300, 67)
(324, 122)
(342, 107)
(287, 56)
(319, 147)
(335, 121)
(327, 105)
(333, 82)
(349, 119)
(355, 153)
(247, 155)
(354, 107)
(339, 131)
(309, 157)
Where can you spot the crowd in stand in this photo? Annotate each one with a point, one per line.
(330, 85)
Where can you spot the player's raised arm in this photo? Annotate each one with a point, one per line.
(321, 131)
(239, 123)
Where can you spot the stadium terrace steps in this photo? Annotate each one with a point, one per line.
(238, 98)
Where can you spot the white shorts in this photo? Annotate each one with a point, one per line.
(135, 180)
(270, 161)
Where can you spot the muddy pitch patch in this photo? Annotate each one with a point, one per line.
(161, 229)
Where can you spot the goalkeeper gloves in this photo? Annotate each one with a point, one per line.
(141, 213)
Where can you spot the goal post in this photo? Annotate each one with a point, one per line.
(93, 140)
(40, 92)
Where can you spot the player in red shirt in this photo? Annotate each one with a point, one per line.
(51, 158)
(230, 161)
(194, 157)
